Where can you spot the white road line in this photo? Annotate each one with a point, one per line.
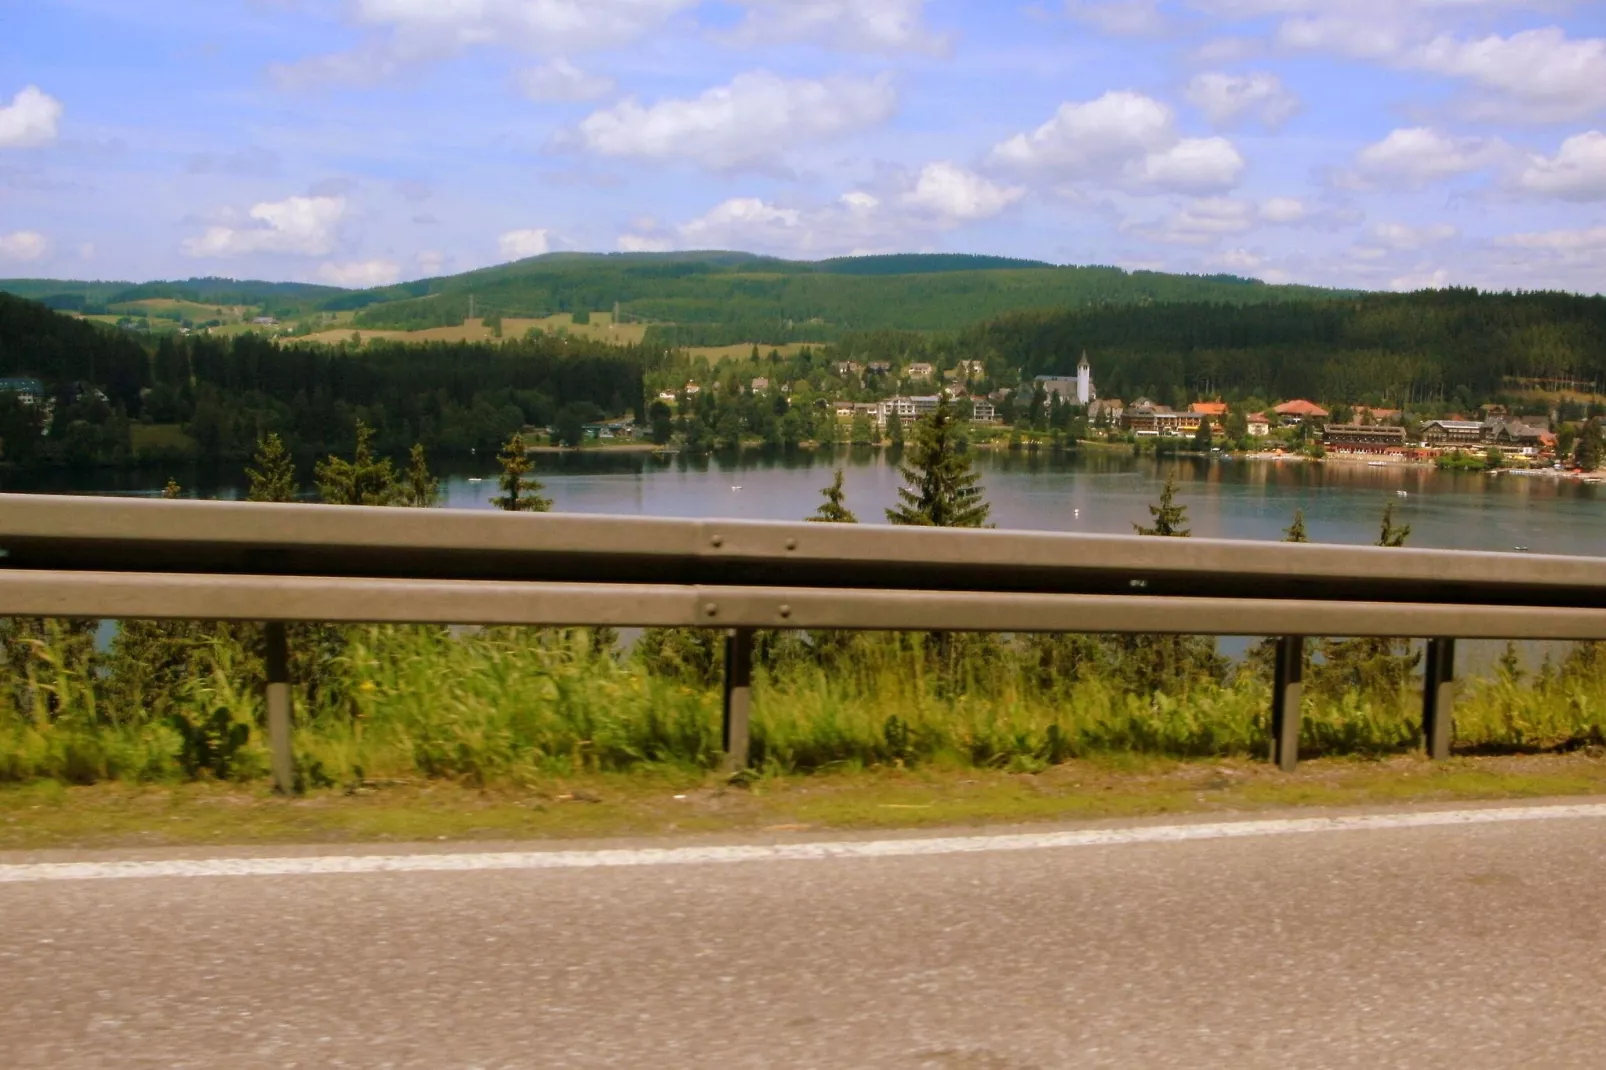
(786, 852)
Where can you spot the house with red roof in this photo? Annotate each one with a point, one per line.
(1299, 411)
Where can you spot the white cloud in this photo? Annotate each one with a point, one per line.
(1576, 173)
(361, 274)
(1120, 18)
(23, 245)
(1401, 236)
(1122, 138)
(751, 123)
(1239, 260)
(1424, 279)
(1543, 74)
(431, 262)
(405, 32)
(30, 119)
(884, 26)
(1416, 156)
(519, 244)
(951, 193)
(641, 243)
(1226, 98)
(561, 80)
(1592, 240)
(297, 226)
(1202, 222)
(1283, 210)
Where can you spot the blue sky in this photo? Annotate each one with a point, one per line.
(1370, 143)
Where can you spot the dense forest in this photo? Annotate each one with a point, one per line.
(1451, 345)
(104, 387)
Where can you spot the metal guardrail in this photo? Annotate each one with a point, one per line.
(119, 558)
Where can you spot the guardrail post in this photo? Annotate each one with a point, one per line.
(1438, 697)
(738, 697)
(278, 659)
(1287, 688)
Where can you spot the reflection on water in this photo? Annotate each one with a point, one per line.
(1095, 491)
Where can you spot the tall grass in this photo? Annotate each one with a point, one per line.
(513, 706)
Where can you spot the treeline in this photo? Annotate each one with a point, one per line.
(228, 393)
(1449, 345)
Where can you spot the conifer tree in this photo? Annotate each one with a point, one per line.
(422, 490)
(1170, 519)
(941, 490)
(834, 509)
(363, 480)
(1392, 534)
(273, 476)
(520, 494)
(1295, 532)
(1590, 449)
(172, 490)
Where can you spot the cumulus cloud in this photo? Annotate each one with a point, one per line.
(561, 80)
(296, 226)
(1416, 156)
(519, 244)
(1402, 236)
(360, 274)
(405, 32)
(1283, 210)
(1227, 98)
(952, 193)
(1120, 18)
(23, 245)
(1576, 173)
(1541, 75)
(1122, 138)
(1590, 240)
(30, 119)
(907, 208)
(1203, 221)
(1424, 279)
(884, 26)
(751, 123)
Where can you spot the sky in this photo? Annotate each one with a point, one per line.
(1378, 144)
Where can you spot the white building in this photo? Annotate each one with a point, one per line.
(1080, 390)
(1084, 382)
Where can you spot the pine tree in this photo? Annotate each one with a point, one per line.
(273, 477)
(422, 489)
(1391, 534)
(1295, 532)
(1204, 438)
(1170, 520)
(941, 490)
(172, 490)
(1590, 449)
(834, 509)
(520, 494)
(894, 427)
(363, 480)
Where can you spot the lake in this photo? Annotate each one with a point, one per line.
(1093, 491)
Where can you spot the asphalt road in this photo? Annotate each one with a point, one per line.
(1464, 946)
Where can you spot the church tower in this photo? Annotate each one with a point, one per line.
(1084, 382)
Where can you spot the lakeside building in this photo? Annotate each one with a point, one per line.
(1299, 411)
(1259, 425)
(920, 370)
(759, 385)
(31, 392)
(1363, 438)
(1441, 433)
(983, 411)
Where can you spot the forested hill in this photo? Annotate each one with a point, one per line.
(225, 392)
(691, 298)
(721, 298)
(1377, 347)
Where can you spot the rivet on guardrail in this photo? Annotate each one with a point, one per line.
(791, 544)
(786, 612)
(711, 609)
(717, 541)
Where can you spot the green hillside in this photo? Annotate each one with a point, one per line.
(93, 298)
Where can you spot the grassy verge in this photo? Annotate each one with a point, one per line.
(50, 815)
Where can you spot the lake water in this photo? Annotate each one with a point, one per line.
(1102, 492)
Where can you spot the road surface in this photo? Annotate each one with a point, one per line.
(1469, 944)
